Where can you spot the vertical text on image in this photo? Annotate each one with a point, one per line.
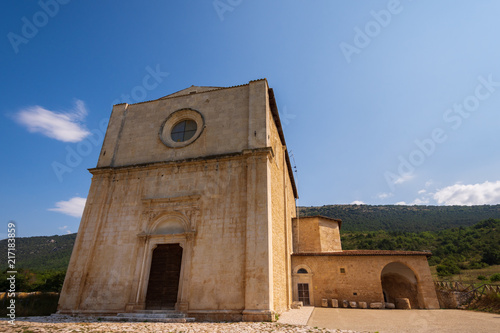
(11, 271)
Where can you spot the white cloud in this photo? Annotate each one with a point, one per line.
(384, 195)
(65, 228)
(401, 203)
(357, 202)
(422, 191)
(404, 178)
(64, 127)
(72, 207)
(487, 193)
(420, 201)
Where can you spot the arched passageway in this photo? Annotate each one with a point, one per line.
(399, 281)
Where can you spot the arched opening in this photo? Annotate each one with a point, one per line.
(302, 285)
(399, 281)
(163, 285)
(166, 242)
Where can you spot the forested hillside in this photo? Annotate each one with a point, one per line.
(453, 249)
(404, 218)
(41, 253)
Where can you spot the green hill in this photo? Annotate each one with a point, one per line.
(472, 247)
(404, 218)
(41, 253)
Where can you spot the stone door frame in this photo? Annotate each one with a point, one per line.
(150, 245)
(182, 211)
(302, 278)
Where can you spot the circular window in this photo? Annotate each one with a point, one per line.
(184, 130)
(181, 128)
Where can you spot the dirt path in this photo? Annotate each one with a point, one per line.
(406, 321)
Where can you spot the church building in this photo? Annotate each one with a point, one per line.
(192, 208)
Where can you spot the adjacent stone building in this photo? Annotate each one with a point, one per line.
(322, 270)
(191, 208)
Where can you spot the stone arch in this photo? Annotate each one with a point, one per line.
(168, 224)
(298, 267)
(400, 281)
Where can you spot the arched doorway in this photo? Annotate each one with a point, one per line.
(302, 285)
(399, 281)
(164, 270)
(163, 285)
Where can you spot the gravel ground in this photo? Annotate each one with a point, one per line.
(296, 316)
(69, 324)
(406, 321)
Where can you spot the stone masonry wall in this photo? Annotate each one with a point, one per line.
(362, 278)
(218, 253)
(283, 209)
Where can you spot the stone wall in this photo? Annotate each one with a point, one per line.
(283, 209)
(358, 278)
(111, 225)
(315, 234)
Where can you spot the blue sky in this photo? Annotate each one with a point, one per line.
(382, 102)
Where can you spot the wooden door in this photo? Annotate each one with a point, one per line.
(164, 277)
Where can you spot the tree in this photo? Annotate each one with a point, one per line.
(491, 256)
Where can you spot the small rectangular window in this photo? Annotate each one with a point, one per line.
(342, 270)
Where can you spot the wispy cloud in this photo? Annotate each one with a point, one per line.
(384, 195)
(357, 202)
(420, 201)
(486, 193)
(404, 178)
(65, 228)
(62, 126)
(72, 207)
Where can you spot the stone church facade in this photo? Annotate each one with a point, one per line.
(192, 208)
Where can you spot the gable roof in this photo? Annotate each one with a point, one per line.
(191, 90)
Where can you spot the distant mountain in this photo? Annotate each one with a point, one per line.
(41, 253)
(404, 218)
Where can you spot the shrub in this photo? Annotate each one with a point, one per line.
(481, 277)
(491, 256)
(477, 265)
(495, 277)
(31, 304)
(447, 267)
(446, 270)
